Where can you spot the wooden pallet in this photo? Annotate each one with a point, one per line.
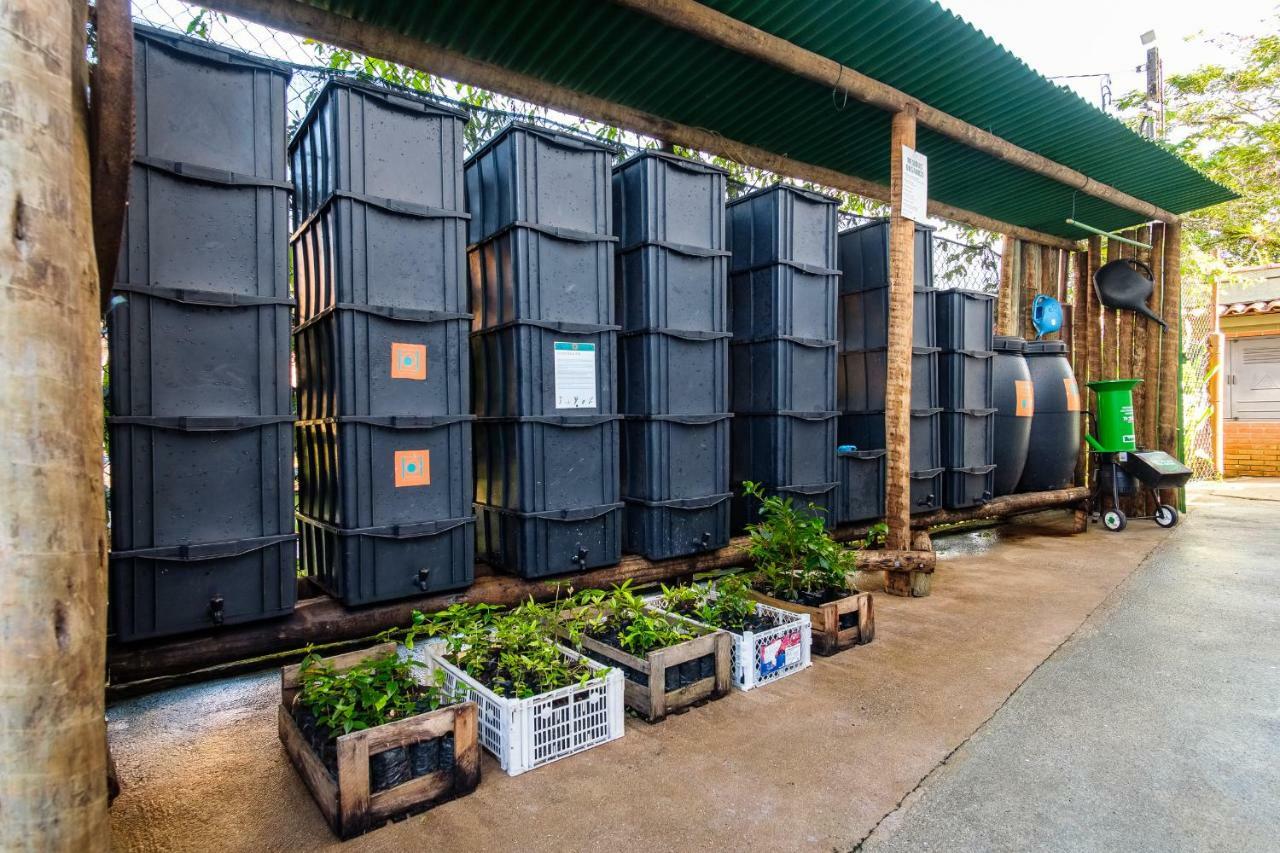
(348, 804)
(828, 638)
(653, 701)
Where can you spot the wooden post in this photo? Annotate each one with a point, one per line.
(1095, 313)
(1170, 343)
(898, 382)
(53, 757)
(1151, 368)
(1028, 287)
(1081, 342)
(1009, 250)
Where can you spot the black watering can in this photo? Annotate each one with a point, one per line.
(1126, 283)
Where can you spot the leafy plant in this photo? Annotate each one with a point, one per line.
(792, 551)
(514, 653)
(727, 605)
(638, 628)
(876, 535)
(371, 693)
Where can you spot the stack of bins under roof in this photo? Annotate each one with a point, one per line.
(782, 301)
(200, 429)
(384, 431)
(674, 365)
(864, 341)
(965, 319)
(543, 349)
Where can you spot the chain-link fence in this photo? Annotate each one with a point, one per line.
(1198, 319)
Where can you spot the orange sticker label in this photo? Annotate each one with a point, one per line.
(1073, 394)
(408, 361)
(1026, 393)
(413, 468)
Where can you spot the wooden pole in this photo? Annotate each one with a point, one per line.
(53, 757)
(897, 403)
(1029, 287)
(1093, 320)
(111, 134)
(1081, 342)
(1170, 342)
(1151, 367)
(1009, 248)
(741, 37)
(309, 21)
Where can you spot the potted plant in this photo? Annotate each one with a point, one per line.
(669, 662)
(800, 568)
(374, 738)
(538, 700)
(768, 643)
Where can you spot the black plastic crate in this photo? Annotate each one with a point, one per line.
(205, 230)
(860, 495)
(365, 252)
(534, 273)
(534, 369)
(784, 448)
(863, 319)
(374, 472)
(668, 372)
(675, 457)
(783, 299)
(964, 380)
(860, 383)
(865, 430)
(968, 438)
(377, 362)
(365, 139)
(782, 223)
(176, 352)
(966, 487)
(198, 103)
(672, 287)
(164, 591)
(531, 174)
(965, 319)
(926, 490)
(864, 256)
(535, 545)
(386, 563)
(178, 481)
(662, 530)
(665, 198)
(783, 374)
(547, 463)
(815, 500)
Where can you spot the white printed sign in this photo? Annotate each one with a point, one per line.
(915, 185)
(575, 368)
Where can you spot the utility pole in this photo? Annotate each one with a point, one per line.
(1153, 109)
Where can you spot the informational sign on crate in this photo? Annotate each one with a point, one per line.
(575, 369)
(780, 652)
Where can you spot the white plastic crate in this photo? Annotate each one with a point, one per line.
(759, 658)
(527, 733)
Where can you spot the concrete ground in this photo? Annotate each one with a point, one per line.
(1180, 700)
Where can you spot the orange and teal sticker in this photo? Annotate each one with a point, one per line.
(408, 361)
(1073, 393)
(413, 468)
(1026, 394)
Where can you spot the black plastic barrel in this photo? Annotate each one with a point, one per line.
(1012, 396)
(1054, 443)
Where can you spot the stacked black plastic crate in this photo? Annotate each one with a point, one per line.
(672, 281)
(384, 429)
(544, 348)
(782, 307)
(200, 430)
(968, 419)
(864, 341)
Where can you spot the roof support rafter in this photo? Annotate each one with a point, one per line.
(740, 37)
(306, 20)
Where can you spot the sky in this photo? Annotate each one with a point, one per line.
(1092, 36)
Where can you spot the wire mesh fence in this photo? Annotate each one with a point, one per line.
(1198, 320)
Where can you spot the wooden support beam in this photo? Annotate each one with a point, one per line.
(897, 398)
(303, 19)
(1009, 249)
(1151, 368)
(1028, 288)
(1094, 320)
(1081, 341)
(111, 135)
(740, 37)
(1005, 507)
(1170, 343)
(53, 598)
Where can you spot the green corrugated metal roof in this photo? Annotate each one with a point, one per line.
(601, 49)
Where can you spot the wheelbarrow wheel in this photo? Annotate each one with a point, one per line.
(1114, 520)
(1166, 516)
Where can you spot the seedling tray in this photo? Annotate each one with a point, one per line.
(836, 625)
(347, 800)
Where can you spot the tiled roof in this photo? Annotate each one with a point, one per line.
(1268, 306)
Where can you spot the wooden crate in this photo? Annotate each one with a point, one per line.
(653, 701)
(828, 638)
(347, 802)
